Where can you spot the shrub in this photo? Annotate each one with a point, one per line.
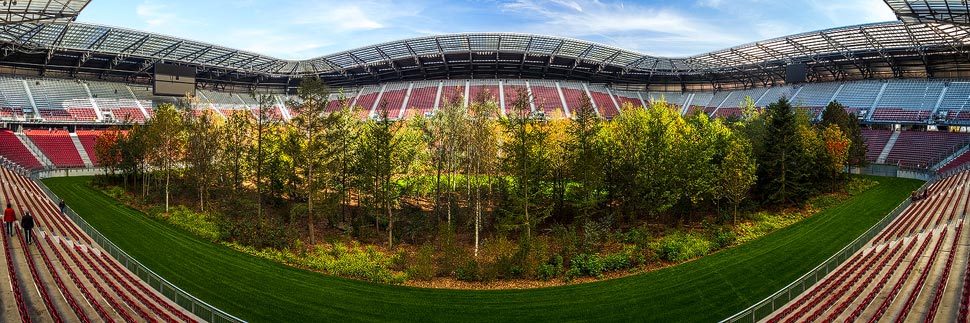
(468, 271)
(204, 225)
(422, 266)
(588, 264)
(616, 261)
(722, 237)
(678, 246)
(365, 263)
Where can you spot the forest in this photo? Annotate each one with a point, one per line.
(474, 194)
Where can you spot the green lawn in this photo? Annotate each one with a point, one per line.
(709, 289)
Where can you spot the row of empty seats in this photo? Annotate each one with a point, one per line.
(913, 270)
(907, 100)
(63, 276)
(923, 149)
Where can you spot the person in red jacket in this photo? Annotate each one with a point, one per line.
(8, 218)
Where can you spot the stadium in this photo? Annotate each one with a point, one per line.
(64, 85)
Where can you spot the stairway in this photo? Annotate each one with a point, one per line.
(889, 147)
(46, 162)
(81, 151)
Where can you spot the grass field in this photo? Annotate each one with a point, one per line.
(706, 290)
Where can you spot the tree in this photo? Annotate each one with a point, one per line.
(736, 173)
(108, 149)
(235, 140)
(342, 132)
(858, 147)
(586, 159)
(259, 153)
(749, 111)
(781, 178)
(310, 156)
(167, 132)
(835, 114)
(201, 148)
(481, 153)
(386, 151)
(837, 151)
(523, 158)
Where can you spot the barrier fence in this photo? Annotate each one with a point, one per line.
(769, 305)
(201, 309)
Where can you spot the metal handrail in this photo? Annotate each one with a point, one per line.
(780, 298)
(187, 301)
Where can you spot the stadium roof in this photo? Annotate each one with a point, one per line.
(918, 11)
(881, 50)
(53, 11)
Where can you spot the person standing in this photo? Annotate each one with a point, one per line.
(8, 218)
(28, 224)
(62, 205)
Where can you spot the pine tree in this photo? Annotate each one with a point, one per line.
(781, 176)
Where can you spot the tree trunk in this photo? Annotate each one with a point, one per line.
(390, 227)
(309, 202)
(167, 176)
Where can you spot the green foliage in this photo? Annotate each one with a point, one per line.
(422, 267)
(204, 225)
(617, 261)
(551, 269)
(722, 237)
(585, 265)
(469, 271)
(679, 246)
(215, 274)
(857, 185)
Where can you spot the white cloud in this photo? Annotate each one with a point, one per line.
(846, 12)
(154, 14)
(709, 3)
(634, 27)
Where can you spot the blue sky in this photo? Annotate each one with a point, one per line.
(292, 29)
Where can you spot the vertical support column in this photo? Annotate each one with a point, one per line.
(532, 104)
(501, 96)
(468, 85)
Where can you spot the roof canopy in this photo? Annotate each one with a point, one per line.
(918, 11)
(52, 11)
(892, 49)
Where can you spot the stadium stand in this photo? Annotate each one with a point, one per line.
(605, 103)
(424, 95)
(878, 284)
(922, 149)
(513, 89)
(630, 98)
(478, 88)
(365, 100)
(546, 97)
(452, 90)
(57, 292)
(12, 148)
(393, 99)
(57, 146)
(876, 141)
